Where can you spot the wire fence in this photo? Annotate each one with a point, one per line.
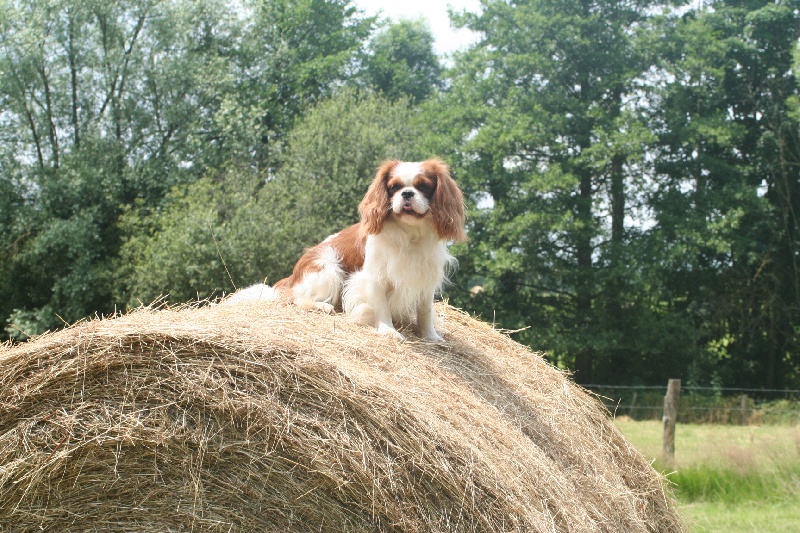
(721, 405)
(715, 390)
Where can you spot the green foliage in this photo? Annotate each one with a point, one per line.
(113, 108)
(555, 154)
(13, 212)
(630, 171)
(723, 235)
(624, 169)
(401, 62)
(251, 228)
(333, 153)
(331, 158)
(294, 54)
(174, 254)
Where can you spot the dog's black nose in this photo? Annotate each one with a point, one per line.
(407, 195)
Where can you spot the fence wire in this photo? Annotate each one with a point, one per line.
(727, 405)
(721, 390)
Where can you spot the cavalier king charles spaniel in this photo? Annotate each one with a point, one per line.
(386, 268)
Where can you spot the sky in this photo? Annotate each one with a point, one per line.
(435, 11)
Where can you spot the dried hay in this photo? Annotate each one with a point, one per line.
(263, 417)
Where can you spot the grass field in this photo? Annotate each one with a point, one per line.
(729, 479)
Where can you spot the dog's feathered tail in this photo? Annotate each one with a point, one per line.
(259, 291)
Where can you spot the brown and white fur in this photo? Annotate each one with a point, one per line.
(386, 268)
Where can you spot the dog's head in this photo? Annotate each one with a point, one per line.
(414, 193)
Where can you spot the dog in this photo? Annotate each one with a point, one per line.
(386, 268)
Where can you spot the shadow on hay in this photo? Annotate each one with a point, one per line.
(563, 421)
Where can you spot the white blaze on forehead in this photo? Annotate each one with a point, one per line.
(407, 172)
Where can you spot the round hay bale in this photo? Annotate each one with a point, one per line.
(264, 417)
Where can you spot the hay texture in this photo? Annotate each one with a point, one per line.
(263, 417)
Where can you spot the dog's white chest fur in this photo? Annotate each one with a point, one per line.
(402, 271)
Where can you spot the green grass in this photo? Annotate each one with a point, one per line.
(750, 517)
(731, 487)
(731, 479)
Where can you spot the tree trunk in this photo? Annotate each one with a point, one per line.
(584, 359)
(73, 73)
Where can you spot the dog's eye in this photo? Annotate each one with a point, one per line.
(423, 188)
(394, 188)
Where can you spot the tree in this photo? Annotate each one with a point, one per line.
(553, 149)
(331, 158)
(728, 188)
(401, 62)
(13, 211)
(295, 54)
(239, 227)
(179, 254)
(109, 106)
(99, 104)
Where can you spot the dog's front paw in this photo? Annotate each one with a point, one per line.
(432, 336)
(385, 329)
(325, 307)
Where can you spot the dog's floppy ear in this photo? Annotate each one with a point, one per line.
(374, 208)
(447, 205)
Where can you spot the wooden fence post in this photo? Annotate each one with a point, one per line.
(670, 416)
(743, 409)
(631, 409)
